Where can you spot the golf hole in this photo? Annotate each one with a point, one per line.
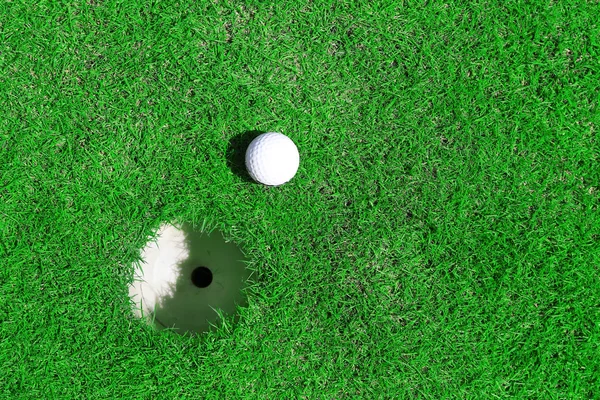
(202, 277)
(188, 279)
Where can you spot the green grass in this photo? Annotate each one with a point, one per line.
(441, 239)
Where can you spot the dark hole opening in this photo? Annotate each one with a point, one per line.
(202, 277)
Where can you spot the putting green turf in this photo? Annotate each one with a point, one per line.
(441, 238)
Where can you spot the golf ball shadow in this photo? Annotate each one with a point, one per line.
(236, 153)
(186, 278)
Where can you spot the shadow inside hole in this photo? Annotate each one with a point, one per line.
(236, 153)
(207, 280)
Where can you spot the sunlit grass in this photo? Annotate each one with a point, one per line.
(440, 238)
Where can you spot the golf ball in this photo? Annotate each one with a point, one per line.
(272, 159)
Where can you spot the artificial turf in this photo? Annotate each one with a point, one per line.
(441, 238)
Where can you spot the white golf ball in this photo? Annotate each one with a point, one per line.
(272, 159)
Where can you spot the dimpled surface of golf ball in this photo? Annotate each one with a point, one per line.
(272, 159)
